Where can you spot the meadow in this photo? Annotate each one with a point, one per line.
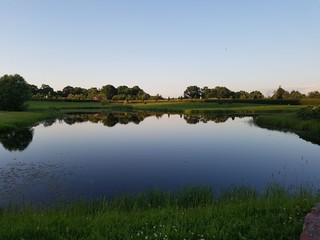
(191, 213)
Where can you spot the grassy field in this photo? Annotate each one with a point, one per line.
(44, 105)
(215, 108)
(192, 213)
(165, 106)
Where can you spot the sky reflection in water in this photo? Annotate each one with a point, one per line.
(88, 159)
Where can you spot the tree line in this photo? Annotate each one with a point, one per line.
(15, 91)
(220, 92)
(107, 92)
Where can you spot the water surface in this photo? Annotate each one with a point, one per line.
(89, 156)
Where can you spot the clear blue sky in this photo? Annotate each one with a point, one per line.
(163, 46)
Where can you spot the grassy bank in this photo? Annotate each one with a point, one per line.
(14, 120)
(289, 121)
(193, 213)
(167, 106)
(215, 108)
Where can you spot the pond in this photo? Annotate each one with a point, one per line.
(106, 154)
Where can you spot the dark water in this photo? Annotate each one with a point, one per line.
(101, 155)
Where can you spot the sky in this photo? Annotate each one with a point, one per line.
(163, 46)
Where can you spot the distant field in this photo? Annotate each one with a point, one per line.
(189, 107)
(41, 105)
(216, 108)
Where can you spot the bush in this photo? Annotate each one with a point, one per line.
(14, 92)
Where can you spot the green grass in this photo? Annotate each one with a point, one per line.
(215, 108)
(13, 120)
(187, 107)
(193, 213)
(289, 121)
(42, 105)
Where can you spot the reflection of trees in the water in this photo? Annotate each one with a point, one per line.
(48, 122)
(110, 119)
(16, 140)
(194, 119)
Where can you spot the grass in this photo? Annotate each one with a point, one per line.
(14, 120)
(43, 105)
(167, 106)
(215, 108)
(192, 213)
(289, 121)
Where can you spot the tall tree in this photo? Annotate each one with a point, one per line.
(14, 92)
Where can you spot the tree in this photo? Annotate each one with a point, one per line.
(314, 94)
(279, 93)
(256, 95)
(14, 92)
(192, 92)
(222, 92)
(296, 95)
(242, 95)
(46, 91)
(109, 91)
(67, 90)
(34, 89)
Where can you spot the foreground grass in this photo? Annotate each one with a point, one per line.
(193, 213)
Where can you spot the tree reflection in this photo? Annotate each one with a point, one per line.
(109, 119)
(194, 119)
(16, 140)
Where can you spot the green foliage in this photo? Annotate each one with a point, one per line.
(311, 112)
(192, 213)
(192, 92)
(109, 91)
(314, 94)
(14, 92)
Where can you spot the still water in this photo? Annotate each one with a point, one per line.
(99, 155)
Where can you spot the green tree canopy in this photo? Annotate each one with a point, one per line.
(14, 92)
(192, 92)
(109, 91)
(280, 93)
